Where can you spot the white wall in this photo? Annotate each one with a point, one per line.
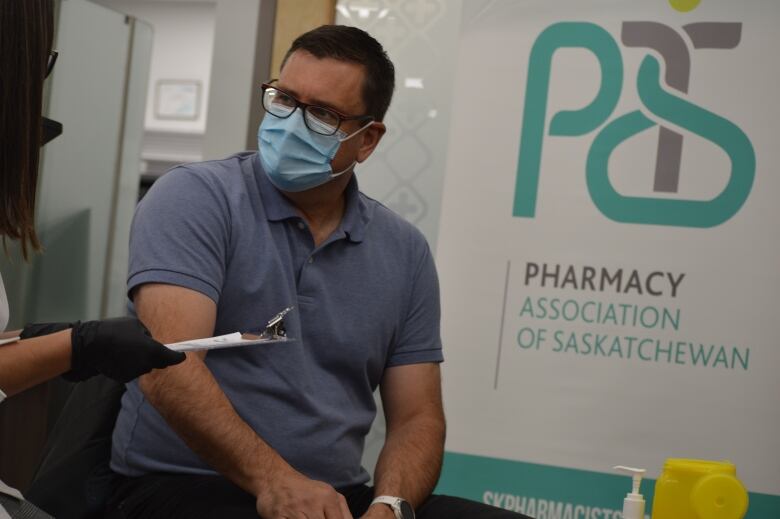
(225, 44)
(183, 48)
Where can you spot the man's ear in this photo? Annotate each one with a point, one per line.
(369, 140)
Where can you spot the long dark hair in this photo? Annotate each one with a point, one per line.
(26, 29)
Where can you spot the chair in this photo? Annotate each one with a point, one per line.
(73, 480)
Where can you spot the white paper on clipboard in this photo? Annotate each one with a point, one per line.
(231, 340)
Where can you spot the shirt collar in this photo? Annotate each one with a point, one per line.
(278, 207)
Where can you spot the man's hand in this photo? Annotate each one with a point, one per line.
(378, 511)
(294, 496)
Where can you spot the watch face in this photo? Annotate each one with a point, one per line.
(407, 512)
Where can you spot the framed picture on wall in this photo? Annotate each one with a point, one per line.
(177, 99)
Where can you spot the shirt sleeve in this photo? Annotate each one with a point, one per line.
(420, 335)
(180, 234)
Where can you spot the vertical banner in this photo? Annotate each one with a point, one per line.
(609, 253)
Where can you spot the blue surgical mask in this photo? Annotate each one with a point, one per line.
(296, 158)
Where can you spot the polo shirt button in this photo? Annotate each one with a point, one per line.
(311, 259)
(301, 226)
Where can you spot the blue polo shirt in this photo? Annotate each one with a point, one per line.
(365, 300)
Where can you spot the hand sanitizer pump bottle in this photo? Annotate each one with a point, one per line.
(634, 503)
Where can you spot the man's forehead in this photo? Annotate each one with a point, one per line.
(328, 81)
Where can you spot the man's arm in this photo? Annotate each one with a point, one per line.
(193, 404)
(410, 461)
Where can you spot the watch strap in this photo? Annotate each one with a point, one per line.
(393, 502)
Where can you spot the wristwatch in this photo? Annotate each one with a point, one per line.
(401, 508)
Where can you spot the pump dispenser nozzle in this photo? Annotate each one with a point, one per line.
(634, 503)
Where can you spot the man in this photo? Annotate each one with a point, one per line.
(278, 430)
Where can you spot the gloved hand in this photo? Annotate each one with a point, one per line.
(120, 348)
(38, 329)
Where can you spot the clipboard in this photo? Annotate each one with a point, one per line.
(274, 333)
(231, 340)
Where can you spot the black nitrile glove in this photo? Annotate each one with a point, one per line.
(120, 348)
(38, 329)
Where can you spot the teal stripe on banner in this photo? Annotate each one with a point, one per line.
(547, 492)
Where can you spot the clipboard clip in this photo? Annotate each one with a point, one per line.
(275, 327)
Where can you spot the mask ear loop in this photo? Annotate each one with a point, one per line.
(354, 162)
(369, 123)
(351, 166)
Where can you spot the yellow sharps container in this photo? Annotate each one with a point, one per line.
(699, 489)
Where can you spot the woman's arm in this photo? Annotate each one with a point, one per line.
(120, 348)
(26, 363)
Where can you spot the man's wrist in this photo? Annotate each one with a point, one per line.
(261, 481)
(271, 473)
(381, 510)
(398, 506)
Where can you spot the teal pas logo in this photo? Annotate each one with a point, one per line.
(663, 103)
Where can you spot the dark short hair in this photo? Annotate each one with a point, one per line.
(26, 30)
(345, 43)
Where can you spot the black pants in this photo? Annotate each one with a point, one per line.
(170, 496)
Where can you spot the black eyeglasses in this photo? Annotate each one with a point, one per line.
(318, 119)
(50, 63)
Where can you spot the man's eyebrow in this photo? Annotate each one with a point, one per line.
(315, 102)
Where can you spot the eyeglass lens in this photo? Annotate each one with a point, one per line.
(318, 119)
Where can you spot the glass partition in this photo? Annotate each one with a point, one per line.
(406, 172)
(114, 300)
(89, 175)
